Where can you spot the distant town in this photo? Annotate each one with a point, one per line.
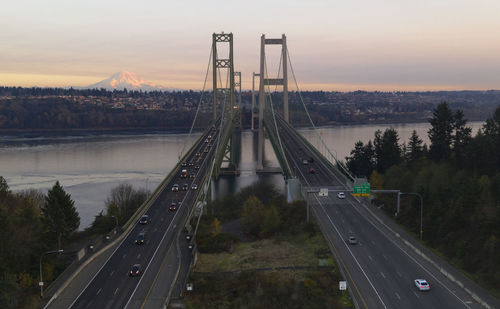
(59, 108)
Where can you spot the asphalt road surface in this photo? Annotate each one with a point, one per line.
(380, 269)
(112, 287)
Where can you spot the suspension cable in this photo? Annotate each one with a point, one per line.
(312, 123)
(274, 118)
(199, 106)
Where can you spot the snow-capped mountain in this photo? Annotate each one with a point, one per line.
(125, 79)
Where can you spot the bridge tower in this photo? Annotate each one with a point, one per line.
(270, 82)
(224, 107)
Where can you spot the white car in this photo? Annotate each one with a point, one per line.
(341, 195)
(422, 285)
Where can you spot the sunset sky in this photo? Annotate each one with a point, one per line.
(334, 45)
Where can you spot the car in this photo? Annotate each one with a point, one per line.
(312, 171)
(353, 240)
(144, 219)
(192, 175)
(190, 247)
(422, 284)
(175, 188)
(135, 271)
(188, 237)
(194, 187)
(185, 187)
(311, 160)
(209, 145)
(305, 162)
(206, 150)
(196, 167)
(191, 163)
(209, 137)
(173, 206)
(206, 141)
(184, 164)
(198, 154)
(140, 238)
(341, 195)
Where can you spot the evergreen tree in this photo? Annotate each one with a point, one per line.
(415, 148)
(60, 216)
(387, 150)
(461, 139)
(361, 161)
(441, 132)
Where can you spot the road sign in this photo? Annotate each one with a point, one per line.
(40, 283)
(323, 192)
(362, 189)
(342, 285)
(189, 286)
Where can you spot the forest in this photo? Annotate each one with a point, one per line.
(458, 176)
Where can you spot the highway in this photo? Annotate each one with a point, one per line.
(380, 269)
(112, 287)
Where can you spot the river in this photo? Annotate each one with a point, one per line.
(88, 167)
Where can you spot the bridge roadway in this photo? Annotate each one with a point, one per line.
(112, 287)
(380, 269)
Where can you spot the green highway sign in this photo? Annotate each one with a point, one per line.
(361, 189)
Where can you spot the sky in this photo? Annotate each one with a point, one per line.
(385, 45)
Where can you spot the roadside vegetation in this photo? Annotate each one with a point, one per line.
(32, 223)
(458, 176)
(257, 251)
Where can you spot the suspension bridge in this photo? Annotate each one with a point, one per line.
(379, 270)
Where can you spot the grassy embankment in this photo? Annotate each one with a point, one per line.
(251, 256)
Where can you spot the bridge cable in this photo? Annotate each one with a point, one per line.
(338, 163)
(274, 118)
(199, 106)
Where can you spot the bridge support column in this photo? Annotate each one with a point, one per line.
(262, 100)
(293, 190)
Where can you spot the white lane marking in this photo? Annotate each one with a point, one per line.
(124, 256)
(385, 257)
(99, 291)
(111, 274)
(116, 291)
(415, 294)
(401, 249)
(381, 273)
(347, 247)
(372, 242)
(139, 256)
(399, 274)
(397, 295)
(370, 257)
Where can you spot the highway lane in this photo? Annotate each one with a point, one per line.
(112, 287)
(381, 269)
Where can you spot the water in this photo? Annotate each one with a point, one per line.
(88, 167)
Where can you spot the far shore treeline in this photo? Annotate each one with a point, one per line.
(60, 109)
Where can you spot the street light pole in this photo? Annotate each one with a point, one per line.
(421, 210)
(41, 278)
(116, 223)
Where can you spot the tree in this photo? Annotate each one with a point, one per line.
(124, 201)
(387, 150)
(441, 132)
(361, 161)
(60, 216)
(415, 148)
(253, 215)
(461, 139)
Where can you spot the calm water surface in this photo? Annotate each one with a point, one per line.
(89, 167)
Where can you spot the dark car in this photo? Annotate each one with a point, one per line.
(196, 167)
(194, 187)
(312, 171)
(185, 187)
(135, 271)
(144, 219)
(191, 163)
(173, 206)
(198, 154)
(192, 175)
(140, 238)
(206, 150)
(175, 188)
(184, 164)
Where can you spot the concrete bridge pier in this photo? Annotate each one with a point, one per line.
(293, 190)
